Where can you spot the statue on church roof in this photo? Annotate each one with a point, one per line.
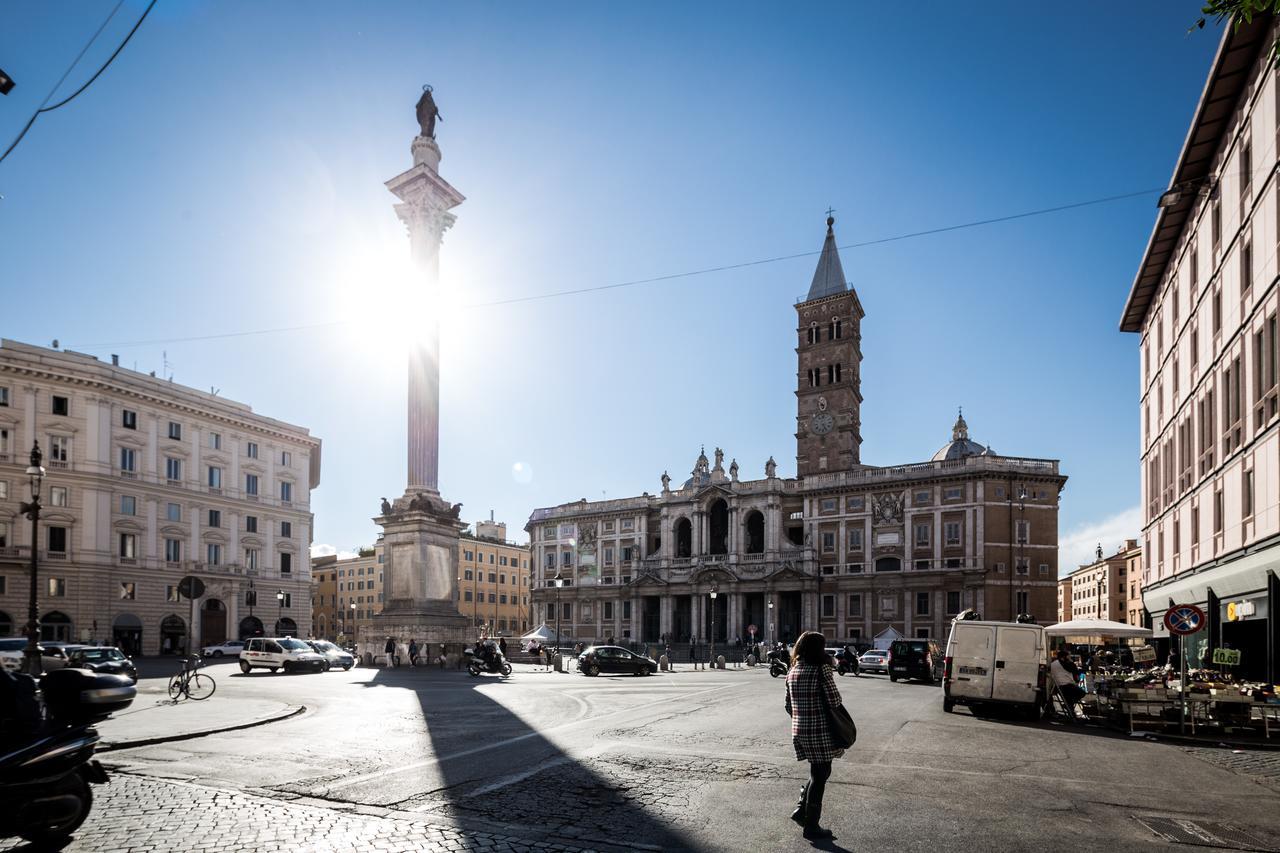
(719, 459)
(733, 470)
(428, 113)
(666, 482)
(771, 468)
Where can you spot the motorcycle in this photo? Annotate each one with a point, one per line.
(777, 663)
(496, 663)
(46, 772)
(845, 666)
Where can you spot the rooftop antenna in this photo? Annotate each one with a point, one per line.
(213, 391)
(164, 355)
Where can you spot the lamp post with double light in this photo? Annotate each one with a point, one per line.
(714, 592)
(352, 627)
(31, 663)
(559, 583)
(280, 614)
(771, 634)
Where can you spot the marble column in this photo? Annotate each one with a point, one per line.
(425, 200)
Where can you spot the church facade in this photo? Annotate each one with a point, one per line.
(857, 551)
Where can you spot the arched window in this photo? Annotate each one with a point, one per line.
(755, 532)
(719, 528)
(837, 328)
(684, 538)
(814, 335)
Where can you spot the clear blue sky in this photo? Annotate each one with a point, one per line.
(226, 173)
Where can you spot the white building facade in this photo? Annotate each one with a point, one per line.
(1205, 304)
(149, 482)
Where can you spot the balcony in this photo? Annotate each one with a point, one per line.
(60, 464)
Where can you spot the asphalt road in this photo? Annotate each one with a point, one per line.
(691, 760)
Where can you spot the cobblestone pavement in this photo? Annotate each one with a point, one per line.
(1262, 766)
(140, 815)
(639, 796)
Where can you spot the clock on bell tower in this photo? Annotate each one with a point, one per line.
(828, 382)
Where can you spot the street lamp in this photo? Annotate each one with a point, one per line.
(280, 615)
(1022, 514)
(714, 592)
(771, 638)
(35, 477)
(559, 583)
(351, 626)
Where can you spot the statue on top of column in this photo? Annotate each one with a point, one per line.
(428, 112)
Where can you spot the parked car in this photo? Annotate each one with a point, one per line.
(273, 653)
(874, 660)
(610, 659)
(230, 647)
(335, 656)
(918, 659)
(108, 659)
(11, 653)
(995, 663)
(54, 654)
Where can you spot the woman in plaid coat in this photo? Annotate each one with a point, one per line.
(809, 682)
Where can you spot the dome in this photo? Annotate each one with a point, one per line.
(960, 445)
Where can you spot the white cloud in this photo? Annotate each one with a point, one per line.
(1077, 548)
(328, 550)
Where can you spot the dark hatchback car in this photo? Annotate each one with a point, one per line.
(915, 659)
(595, 660)
(107, 659)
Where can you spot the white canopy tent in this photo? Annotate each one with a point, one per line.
(1096, 629)
(544, 636)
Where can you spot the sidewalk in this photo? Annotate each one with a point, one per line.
(152, 719)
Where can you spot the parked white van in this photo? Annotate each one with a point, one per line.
(995, 663)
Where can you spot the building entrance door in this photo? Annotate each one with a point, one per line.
(213, 622)
(681, 620)
(651, 621)
(789, 616)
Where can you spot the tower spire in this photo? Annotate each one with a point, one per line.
(828, 278)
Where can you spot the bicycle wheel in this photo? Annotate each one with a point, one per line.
(200, 686)
(176, 687)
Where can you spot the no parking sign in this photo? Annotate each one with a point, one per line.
(1184, 619)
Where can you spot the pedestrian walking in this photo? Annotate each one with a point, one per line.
(413, 653)
(811, 691)
(502, 646)
(390, 650)
(671, 660)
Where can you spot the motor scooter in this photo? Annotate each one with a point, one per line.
(777, 663)
(46, 769)
(497, 663)
(844, 666)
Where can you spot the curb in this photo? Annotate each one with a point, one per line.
(132, 744)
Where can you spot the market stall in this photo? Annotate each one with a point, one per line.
(1139, 692)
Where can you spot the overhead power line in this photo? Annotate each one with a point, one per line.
(43, 108)
(661, 278)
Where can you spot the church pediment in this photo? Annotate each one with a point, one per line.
(714, 490)
(647, 579)
(787, 572)
(714, 575)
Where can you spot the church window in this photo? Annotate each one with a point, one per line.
(684, 538)
(922, 535)
(828, 504)
(813, 333)
(836, 329)
(813, 377)
(855, 539)
(828, 543)
(833, 374)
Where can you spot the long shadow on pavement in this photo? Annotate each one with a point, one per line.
(497, 773)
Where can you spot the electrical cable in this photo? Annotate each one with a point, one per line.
(655, 279)
(47, 109)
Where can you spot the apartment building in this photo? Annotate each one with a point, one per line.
(149, 482)
(1204, 303)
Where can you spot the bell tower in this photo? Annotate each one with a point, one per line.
(828, 382)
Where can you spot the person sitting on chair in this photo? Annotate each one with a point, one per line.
(1066, 677)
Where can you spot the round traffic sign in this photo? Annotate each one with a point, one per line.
(1184, 619)
(191, 587)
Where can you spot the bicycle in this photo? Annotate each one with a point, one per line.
(189, 683)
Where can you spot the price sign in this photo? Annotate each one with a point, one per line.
(1184, 619)
(1144, 654)
(1227, 657)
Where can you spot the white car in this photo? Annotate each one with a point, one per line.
(11, 653)
(273, 653)
(230, 647)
